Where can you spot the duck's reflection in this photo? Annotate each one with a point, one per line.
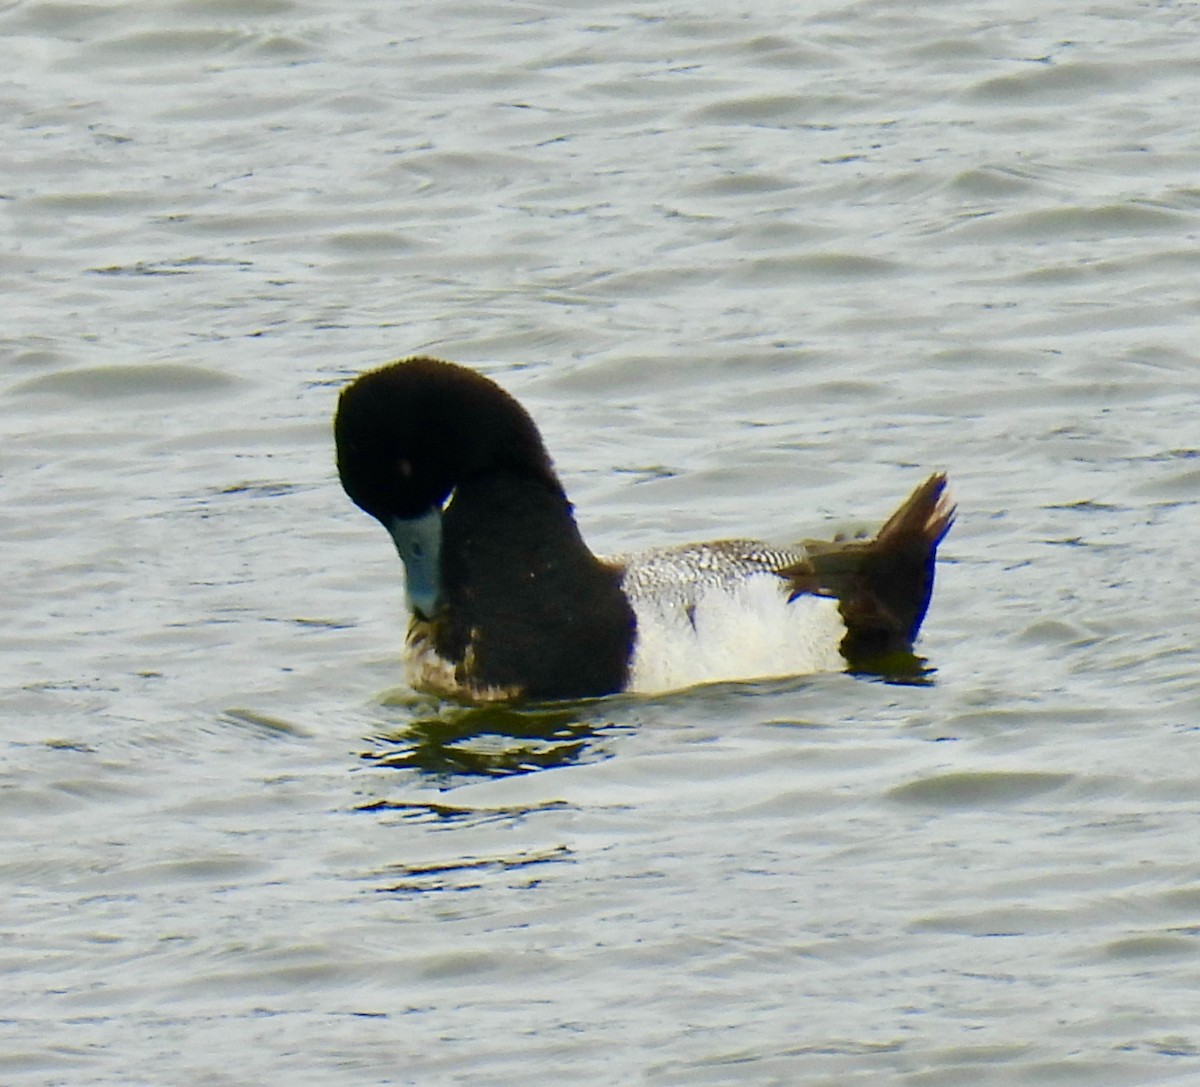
(448, 742)
(902, 668)
(454, 743)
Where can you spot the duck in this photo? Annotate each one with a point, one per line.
(508, 603)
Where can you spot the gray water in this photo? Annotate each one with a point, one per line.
(756, 270)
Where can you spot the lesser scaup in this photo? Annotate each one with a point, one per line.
(509, 603)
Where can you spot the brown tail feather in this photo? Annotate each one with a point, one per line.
(882, 584)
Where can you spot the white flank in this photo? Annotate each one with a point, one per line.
(744, 630)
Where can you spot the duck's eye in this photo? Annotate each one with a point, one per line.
(404, 468)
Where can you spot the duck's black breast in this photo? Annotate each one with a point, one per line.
(526, 606)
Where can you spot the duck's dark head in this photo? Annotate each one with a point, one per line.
(409, 434)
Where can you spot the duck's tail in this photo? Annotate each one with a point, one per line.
(882, 584)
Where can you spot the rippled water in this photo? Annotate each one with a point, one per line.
(755, 270)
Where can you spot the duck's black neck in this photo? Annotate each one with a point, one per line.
(525, 602)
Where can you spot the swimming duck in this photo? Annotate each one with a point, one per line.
(509, 603)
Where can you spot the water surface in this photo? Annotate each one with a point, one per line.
(755, 271)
